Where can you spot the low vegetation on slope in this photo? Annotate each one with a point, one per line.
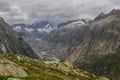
(24, 68)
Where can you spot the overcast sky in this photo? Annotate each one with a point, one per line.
(28, 11)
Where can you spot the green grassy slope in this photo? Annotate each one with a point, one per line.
(36, 70)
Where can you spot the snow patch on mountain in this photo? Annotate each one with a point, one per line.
(29, 30)
(40, 30)
(38, 39)
(17, 28)
(75, 24)
(47, 26)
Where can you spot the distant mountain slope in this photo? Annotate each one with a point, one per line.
(62, 41)
(35, 31)
(10, 43)
(24, 68)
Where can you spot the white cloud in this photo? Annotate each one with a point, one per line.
(15, 11)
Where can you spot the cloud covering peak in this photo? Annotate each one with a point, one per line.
(27, 11)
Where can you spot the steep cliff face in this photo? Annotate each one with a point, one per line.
(10, 43)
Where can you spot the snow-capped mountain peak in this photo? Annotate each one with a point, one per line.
(34, 31)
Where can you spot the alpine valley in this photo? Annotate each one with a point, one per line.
(18, 61)
(73, 50)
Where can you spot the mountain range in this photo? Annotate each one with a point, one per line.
(93, 47)
(34, 32)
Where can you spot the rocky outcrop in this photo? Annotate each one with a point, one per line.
(8, 68)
